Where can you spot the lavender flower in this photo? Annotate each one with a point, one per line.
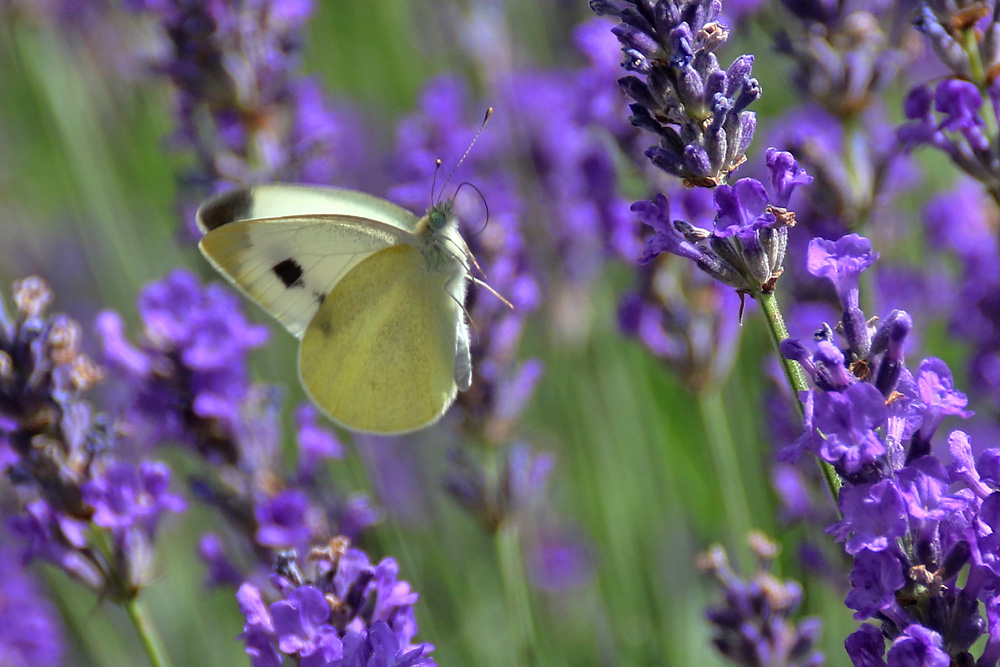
(947, 23)
(915, 527)
(685, 319)
(846, 54)
(959, 130)
(243, 109)
(753, 625)
(746, 250)
(187, 383)
(518, 486)
(696, 109)
(343, 612)
(64, 457)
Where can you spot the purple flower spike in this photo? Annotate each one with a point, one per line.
(753, 624)
(696, 109)
(746, 248)
(243, 108)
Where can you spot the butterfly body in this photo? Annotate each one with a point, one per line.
(373, 292)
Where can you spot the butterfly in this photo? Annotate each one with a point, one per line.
(373, 292)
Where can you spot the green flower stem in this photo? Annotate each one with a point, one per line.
(970, 45)
(795, 376)
(726, 460)
(147, 633)
(515, 592)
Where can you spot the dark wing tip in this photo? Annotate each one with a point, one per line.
(225, 208)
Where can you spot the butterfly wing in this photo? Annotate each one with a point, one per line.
(380, 354)
(289, 265)
(282, 200)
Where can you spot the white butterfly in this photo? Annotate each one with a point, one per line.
(373, 292)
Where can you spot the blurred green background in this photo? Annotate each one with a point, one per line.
(89, 196)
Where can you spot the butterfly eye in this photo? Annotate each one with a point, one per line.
(437, 219)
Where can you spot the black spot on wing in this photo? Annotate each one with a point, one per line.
(225, 208)
(320, 297)
(289, 272)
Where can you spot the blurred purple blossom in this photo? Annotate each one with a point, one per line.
(67, 461)
(559, 560)
(963, 222)
(243, 108)
(752, 623)
(846, 54)
(30, 632)
(316, 443)
(517, 487)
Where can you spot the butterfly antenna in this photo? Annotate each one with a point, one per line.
(485, 204)
(437, 168)
(489, 112)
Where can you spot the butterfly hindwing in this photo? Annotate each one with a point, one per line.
(289, 265)
(380, 354)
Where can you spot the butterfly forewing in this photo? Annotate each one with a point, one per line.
(379, 355)
(289, 265)
(286, 200)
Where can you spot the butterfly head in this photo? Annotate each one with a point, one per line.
(439, 215)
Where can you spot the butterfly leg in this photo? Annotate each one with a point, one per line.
(463, 360)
